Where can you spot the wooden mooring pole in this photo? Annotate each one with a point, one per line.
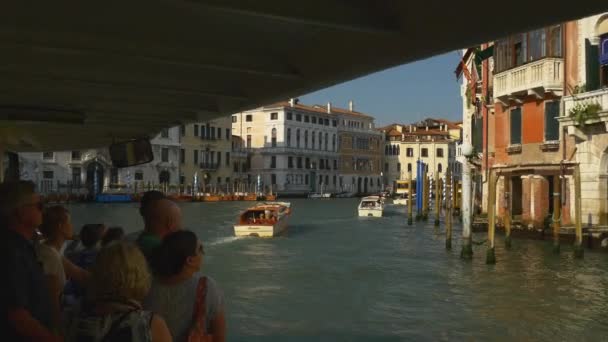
(410, 199)
(437, 199)
(425, 195)
(490, 254)
(578, 242)
(557, 206)
(507, 220)
(449, 184)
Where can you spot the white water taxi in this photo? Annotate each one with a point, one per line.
(266, 219)
(371, 206)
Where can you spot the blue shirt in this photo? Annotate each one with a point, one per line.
(25, 285)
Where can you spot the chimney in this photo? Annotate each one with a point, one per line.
(328, 107)
(410, 128)
(292, 102)
(427, 128)
(351, 106)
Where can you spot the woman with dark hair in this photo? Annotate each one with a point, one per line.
(180, 291)
(113, 234)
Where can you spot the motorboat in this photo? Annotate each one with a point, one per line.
(265, 219)
(371, 206)
(317, 195)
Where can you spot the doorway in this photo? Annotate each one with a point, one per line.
(516, 196)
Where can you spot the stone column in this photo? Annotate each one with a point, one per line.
(526, 196)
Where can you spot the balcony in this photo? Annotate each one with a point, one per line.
(535, 78)
(209, 166)
(296, 151)
(598, 99)
(240, 152)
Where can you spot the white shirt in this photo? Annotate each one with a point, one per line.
(52, 262)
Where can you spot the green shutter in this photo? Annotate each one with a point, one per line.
(515, 126)
(551, 123)
(592, 66)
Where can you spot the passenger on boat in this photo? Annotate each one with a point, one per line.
(162, 218)
(56, 228)
(145, 204)
(25, 303)
(90, 236)
(179, 290)
(112, 310)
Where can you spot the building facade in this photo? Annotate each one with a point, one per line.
(295, 148)
(432, 141)
(206, 151)
(91, 171)
(536, 107)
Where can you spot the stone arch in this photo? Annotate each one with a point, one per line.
(601, 27)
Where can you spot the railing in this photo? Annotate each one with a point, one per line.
(292, 149)
(593, 97)
(546, 73)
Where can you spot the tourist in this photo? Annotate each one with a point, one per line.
(145, 204)
(162, 218)
(90, 236)
(56, 228)
(25, 305)
(175, 289)
(113, 234)
(112, 308)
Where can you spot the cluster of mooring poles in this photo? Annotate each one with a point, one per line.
(446, 197)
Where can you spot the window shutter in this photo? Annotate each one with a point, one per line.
(592, 66)
(551, 123)
(515, 126)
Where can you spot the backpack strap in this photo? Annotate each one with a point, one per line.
(115, 325)
(198, 315)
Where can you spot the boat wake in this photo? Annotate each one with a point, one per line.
(224, 240)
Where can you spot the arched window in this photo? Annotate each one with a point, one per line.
(298, 138)
(398, 150)
(386, 150)
(409, 167)
(306, 139)
(439, 168)
(273, 135)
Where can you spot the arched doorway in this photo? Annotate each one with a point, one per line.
(164, 177)
(365, 185)
(95, 178)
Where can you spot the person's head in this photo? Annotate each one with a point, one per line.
(165, 217)
(113, 234)
(147, 201)
(56, 223)
(120, 273)
(91, 234)
(20, 205)
(180, 252)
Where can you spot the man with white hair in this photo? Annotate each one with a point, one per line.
(25, 303)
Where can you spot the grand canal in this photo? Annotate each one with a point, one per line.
(337, 277)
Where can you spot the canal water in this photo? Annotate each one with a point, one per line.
(338, 277)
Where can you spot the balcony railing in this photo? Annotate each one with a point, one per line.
(599, 97)
(209, 166)
(544, 75)
(296, 150)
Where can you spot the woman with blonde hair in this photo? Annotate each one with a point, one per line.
(112, 309)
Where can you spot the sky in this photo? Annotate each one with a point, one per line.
(403, 94)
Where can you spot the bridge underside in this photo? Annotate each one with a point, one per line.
(80, 75)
